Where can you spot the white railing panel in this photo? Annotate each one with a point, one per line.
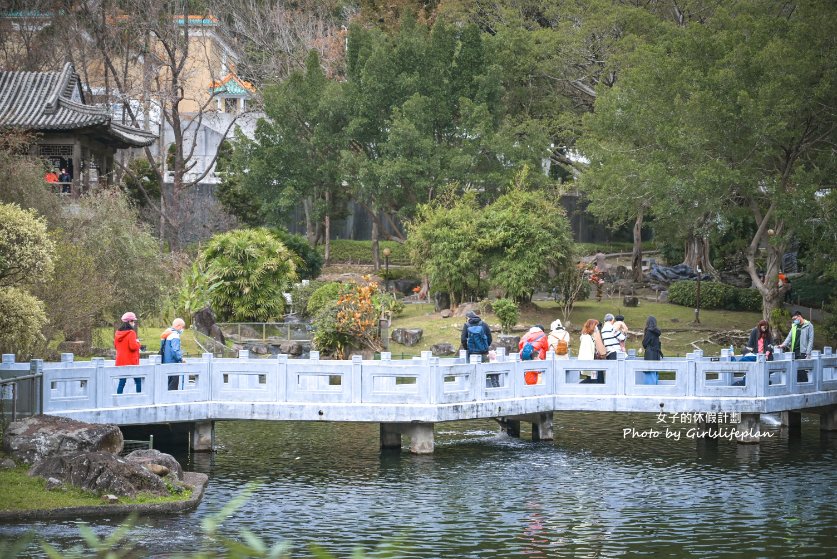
(319, 381)
(804, 368)
(494, 381)
(193, 382)
(569, 377)
(245, 380)
(719, 378)
(534, 378)
(778, 378)
(394, 383)
(829, 371)
(456, 383)
(69, 389)
(640, 378)
(129, 396)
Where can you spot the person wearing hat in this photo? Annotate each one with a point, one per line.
(559, 340)
(475, 337)
(800, 341)
(127, 346)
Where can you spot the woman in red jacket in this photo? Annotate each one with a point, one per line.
(127, 348)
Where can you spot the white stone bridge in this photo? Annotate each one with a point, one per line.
(409, 397)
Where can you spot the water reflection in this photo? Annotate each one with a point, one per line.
(593, 493)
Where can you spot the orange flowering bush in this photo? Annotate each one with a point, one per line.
(353, 321)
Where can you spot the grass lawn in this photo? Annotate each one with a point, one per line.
(21, 492)
(674, 321)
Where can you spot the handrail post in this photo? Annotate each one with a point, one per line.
(357, 372)
(36, 367)
(433, 380)
(691, 374)
(207, 357)
(621, 373)
(759, 370)
(817, 371)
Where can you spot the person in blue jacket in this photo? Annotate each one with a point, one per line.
(170, 348)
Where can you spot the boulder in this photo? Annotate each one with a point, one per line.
(292, 348)
(507, 341)
(153, 456)
(662, 296)
(110, 499)
(157, 469)
(465, 308)
(630, 301)
(446, 313)
(204, 322)
(407, 336)
(442, 349)
(53, 484)
(257, 348)
(442, 300)
(32, 439)
(100, 472)
(7, 464)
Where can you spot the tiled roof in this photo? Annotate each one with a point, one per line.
(54, 101)
(231, 85)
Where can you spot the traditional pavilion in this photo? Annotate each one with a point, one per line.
(71, 135)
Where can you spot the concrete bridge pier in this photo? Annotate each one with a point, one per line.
(828, 420)
(203, 436)
(509, 426)
(749, 429)
(791, 423)
(422, 438)
(542, 427)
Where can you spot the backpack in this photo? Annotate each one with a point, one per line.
(561, 347)
(528, 352)
(477, 340)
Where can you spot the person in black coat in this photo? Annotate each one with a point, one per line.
(653, 350)
(761, 340)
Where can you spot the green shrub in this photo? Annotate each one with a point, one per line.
(387, 302)
(26, 249)
(310, 261)
(714, 295)
(301, 294)
(360, 252)
(323, 297)
(507, 312)
(402, 272)
(21, 319)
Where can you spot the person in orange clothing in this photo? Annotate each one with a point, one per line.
(51, 176)
(540, 343)
(127, 348)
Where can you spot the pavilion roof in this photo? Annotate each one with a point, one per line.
(54, 101)
(231, 85)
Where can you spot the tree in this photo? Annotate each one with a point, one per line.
(524, 235)
(248, 271)
(745, 117)
(295, 155)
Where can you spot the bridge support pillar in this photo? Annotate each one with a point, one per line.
(749, 429)
(828, 420)
(510, 426)
(542, 427)
(390, 436)
(203, 437)
(792, 421)
(422, 439)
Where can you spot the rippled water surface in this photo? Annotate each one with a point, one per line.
(590, 493)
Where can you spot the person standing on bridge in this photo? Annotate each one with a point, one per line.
(800, 341)
(127, 349)
(559, 340)
(611, 337)
(170, 348)
(476, 337)
(653, 348)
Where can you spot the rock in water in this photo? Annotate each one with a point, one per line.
(153, 456)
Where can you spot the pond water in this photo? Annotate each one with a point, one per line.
(590, 493)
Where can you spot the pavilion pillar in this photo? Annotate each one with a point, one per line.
(76, 188)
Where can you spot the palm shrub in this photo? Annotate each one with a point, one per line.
(248, 270)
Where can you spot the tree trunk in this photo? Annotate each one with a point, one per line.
(327, 223)
(376, 256)
(636, 257)
(772, 294)
(697, 254)
(310, 224)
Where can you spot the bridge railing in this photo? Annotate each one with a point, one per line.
(70, 385)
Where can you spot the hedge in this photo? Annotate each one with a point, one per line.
(344, 251)
(714, 295)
